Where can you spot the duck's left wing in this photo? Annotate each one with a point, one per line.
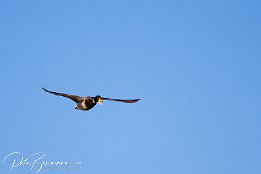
(121, 100)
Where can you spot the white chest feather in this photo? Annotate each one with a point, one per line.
(84, 105)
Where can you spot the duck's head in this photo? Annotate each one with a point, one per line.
(98, 99)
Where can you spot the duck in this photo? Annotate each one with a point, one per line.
(87, 103)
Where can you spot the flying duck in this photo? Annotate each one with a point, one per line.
(87, 103)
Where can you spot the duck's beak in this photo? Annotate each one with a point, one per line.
(100, 101)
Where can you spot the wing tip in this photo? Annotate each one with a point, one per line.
(45, 89)
(136, 100)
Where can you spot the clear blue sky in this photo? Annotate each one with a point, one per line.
(195, 65)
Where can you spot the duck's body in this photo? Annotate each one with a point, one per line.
(87, 103)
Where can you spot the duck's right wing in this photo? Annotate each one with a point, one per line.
(72, 97)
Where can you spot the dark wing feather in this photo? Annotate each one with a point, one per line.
(72, 97)
(121, 100)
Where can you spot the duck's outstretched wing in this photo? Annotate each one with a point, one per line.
(72, 97)
(121, 100)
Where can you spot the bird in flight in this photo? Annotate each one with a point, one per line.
(87, 103)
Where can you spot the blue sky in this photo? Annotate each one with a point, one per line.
(194, 64)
